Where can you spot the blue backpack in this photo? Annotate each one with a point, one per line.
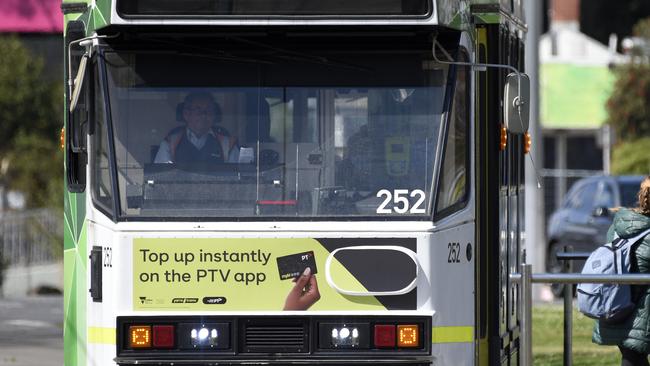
(608, 302)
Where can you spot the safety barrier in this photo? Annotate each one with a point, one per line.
(567, 257)
(30, 237)
(526, 278)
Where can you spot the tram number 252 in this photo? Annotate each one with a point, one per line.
(454, 253)
(401, 201)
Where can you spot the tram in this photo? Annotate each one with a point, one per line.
(293, 181)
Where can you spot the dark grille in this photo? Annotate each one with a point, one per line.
(275, 338)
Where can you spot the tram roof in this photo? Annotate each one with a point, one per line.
(454, 14)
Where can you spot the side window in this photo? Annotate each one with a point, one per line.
(606, 197)
(589, 196)
(101, 177)
(583, 198)
(572, 199)
(454, 173)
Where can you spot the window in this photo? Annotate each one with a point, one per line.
(606, 196)
(303, 139)
(454, 175)
(584, 196)
(101, 176)
(272, 7)
(629, 193)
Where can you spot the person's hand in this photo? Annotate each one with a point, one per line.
(304, 293)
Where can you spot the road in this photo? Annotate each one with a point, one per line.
(31, 331)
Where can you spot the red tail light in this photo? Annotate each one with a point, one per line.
(384, 335)
(163, 336)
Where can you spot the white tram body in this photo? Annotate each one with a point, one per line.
(354, 139)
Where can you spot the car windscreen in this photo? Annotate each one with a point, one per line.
(629, 192)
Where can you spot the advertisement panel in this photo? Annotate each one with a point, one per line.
(242, 274)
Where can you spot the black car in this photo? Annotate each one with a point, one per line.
(584, 217)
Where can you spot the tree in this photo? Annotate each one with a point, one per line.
(628, 110)
(632, 157)
(30, 120)
(627, 107)
(37, 170)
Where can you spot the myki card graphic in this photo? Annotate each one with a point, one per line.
(292, 266)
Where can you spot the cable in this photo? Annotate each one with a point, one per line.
(518, 101)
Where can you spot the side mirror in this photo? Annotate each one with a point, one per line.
(76, 107)
(78, 110)
(600, 212)
(516, 103)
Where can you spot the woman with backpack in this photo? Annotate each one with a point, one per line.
(632, 336)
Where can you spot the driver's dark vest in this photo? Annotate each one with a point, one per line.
(215, 149)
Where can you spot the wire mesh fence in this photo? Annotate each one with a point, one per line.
(30, 237)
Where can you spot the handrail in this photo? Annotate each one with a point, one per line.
(572, 256)
(630, 279)
(526, 278)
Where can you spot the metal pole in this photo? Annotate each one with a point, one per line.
(534, 198)
(628, 279)
(568, 314)
(525, 279)
(526, 337)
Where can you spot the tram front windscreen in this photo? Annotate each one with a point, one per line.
(223, 134)
(225, 8)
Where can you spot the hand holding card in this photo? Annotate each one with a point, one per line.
(304, 293)
(292, 266)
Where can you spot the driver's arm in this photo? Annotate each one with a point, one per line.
(164, 154)
(233, 154)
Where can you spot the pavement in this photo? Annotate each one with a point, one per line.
(31, 331)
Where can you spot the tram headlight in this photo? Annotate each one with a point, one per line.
(343, 335)
(204, 335)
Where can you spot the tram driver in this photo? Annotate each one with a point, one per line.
(200, 139)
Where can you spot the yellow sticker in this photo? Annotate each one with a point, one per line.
(235, 274)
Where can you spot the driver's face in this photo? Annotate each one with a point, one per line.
(199, 116)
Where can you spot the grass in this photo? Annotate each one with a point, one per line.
(548, 339)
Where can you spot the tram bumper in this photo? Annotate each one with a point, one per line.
(345, 361)
(277, 340)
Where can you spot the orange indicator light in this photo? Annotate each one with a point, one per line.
(528, 142)
(140, 336)
(62, 138)
(408, 336)
(503, 138)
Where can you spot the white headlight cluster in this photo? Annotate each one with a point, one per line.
(345, 336)
(204, 336)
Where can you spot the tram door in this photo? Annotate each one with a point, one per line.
(511, 200)
(500, 203)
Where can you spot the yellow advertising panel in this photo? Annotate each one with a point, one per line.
(239, 274)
